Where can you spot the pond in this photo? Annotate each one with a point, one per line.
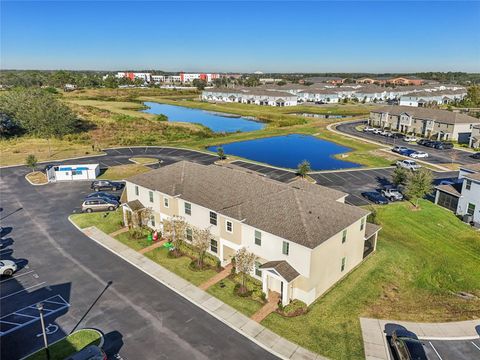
(217, 122)
(290, 150)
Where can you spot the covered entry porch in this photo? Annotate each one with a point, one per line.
(277, 277)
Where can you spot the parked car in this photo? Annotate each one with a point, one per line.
(410, 138)
(98, 185)
(418, 154)
(399, 149)
(99, 204)
(398, 135)
(475, 156)
(406, 345)
(91, 352)
(430, 143)
(375, 197)
(377, 131)
(102, 194)
(407, 152)
(408, 164)
(368, 129)
(422, 141)
(7, 267)
(384, 133)
(443, 145)
(392, 193)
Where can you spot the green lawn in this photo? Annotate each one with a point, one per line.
(135, 244)
(69, 345)
(423, 258)
(121, 172)
(107, 222)
(180, 266)
(247, 306)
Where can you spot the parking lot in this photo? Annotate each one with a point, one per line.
(271, 172)
(435, 156)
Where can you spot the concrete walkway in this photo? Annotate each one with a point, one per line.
(268, 308)
(153, 246)
(219, 277)
(119, 231)
(260, 335)
(374, 333)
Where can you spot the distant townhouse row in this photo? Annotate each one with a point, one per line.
(417, 96)
(305, 238)
(428, 123)
(184, 78)
(250, 96)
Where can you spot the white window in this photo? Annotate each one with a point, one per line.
(165, 202)
(136, 190)
(285, 248)
(258, 238)
(229, 226)
(344, 262)
(150, 195)
(188, 208)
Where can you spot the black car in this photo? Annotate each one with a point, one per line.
(101, 195)
(375, 197)
(475, 156)
(431, 143)
(398, 136)
(407, 346)
(98, 185)
(443, 145)
(423, 142)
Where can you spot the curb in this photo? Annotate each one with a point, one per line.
(182, 295)
(31, 183)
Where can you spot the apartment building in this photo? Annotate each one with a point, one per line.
(250, 96)
(147, 77)
(463, 197)
(426, 98)
(401, 80)
(304, 236)
(428, 123)
(475, 137)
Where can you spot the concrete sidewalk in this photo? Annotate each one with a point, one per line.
(257, 333)
(375, 342)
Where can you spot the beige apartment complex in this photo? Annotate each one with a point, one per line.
(428, 123)
(304, 236)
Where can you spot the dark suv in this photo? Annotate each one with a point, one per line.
(98, 185)
(407, 346)
(443, 145)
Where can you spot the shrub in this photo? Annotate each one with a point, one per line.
(238, 287)
(295, 308)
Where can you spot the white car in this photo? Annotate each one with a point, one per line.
(376, 131)
(384, 133)
(368, 129)
(7, 267)
(419, 154)
(408, 164)
(410, 138)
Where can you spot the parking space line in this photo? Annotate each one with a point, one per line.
(436, 352)
(323, 176)
(478, 347)
(25, 289)
(15, 277)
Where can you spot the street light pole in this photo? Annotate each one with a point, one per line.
(40, 310)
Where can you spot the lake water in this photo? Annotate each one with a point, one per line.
(216, 122)
(290, 150)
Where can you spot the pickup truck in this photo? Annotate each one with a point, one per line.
(392, 194)
(408, 164)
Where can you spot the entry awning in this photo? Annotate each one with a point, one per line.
(134, 205)
(282, 268)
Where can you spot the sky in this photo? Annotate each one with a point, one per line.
(242, 36)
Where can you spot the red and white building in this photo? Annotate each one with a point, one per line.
(147, 77)
(189, 77)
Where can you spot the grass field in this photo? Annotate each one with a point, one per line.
(424, 259)
(121, 172)
(68, 346)
(111, 117)
(106, 222)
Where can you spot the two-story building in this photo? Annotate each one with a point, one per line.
(250, 96)
(304, 236)
(463, 197)
(428, 123)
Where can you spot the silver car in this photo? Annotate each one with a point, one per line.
(99, 204)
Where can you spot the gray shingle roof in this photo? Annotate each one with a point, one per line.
(443, 116)
(371, 229)
(303, 213)
(283, 268)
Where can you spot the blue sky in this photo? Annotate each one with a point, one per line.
(282, 36)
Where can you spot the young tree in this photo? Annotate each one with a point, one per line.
(244, 263)
(31, 161)
(199, 84)
(303, 168)
(220, 153)
(174, 230)
(399, 176)
(201, 241)
(419, 183)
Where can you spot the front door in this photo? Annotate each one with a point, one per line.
(281, 290)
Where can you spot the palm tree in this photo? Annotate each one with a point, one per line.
(303, 168)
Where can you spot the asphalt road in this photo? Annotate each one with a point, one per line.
(84, 285)
(435, 156)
